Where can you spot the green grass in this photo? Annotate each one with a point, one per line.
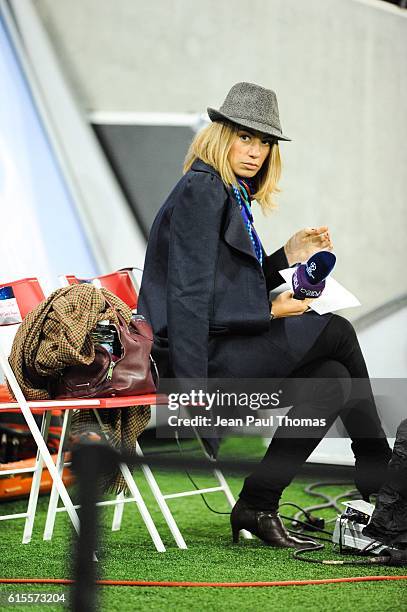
(130, 555)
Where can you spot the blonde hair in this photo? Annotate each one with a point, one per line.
(212, 144)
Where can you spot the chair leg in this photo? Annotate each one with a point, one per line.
(118, 512)
(36, 433)
(134, 490)
(160, 499)
(54, 497)
(146, 516)
(230, 497)
(36, 482)
(149, 476)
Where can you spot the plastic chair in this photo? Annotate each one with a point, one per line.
(116, 283)
(28, 294)
(121, 283)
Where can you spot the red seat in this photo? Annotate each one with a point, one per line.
(27, 292)
(119, 283)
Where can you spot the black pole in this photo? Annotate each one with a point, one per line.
(88, 460)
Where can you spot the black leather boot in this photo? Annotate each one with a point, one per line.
(264, 524)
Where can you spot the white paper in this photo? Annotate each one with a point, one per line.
(9, 312)
(334, 296)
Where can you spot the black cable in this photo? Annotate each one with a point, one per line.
(303, 511)
(301, 533)
(330, 502)
(351, 493)
(368, 561)
(193, 482)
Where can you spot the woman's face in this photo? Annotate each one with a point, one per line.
(248, 152)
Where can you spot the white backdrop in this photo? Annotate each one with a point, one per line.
(40, 231)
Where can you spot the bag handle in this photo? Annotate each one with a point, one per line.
(126, 326)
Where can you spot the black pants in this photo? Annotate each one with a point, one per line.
(336, 355)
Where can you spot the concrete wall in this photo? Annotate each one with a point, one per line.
(339, 69)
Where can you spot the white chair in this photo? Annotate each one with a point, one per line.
(28, 294)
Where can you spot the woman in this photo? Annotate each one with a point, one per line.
(205, 290)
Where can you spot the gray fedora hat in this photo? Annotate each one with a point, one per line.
(251, 106)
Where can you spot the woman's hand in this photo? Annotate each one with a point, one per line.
(284, 305)
(306, 242)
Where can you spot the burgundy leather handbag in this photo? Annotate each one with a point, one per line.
(130, 374)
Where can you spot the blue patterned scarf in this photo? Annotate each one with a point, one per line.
(243, 193)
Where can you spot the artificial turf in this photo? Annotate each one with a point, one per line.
(130, 555)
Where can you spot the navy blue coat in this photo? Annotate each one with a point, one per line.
(201, 276)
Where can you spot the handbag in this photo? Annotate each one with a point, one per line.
(130, 374)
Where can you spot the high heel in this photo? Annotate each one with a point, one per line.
(242, 517)
(235, 534)
(264, 524)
